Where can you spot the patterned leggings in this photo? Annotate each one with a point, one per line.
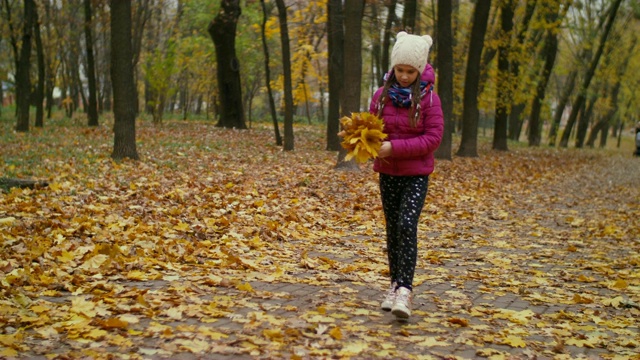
(402, 201)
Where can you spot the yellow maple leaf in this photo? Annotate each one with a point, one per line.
(514, 341)
(579, 299)
(273, 334)
(114, 323)
(245, 287)
(137, 275)
(195, 346)
(487, 352)
(47, 332)
(620, 284)
(211, 334)
(588, 342)
(320, 319)
(615, 302)
(353, 349)
(431, 341)
(129, 318)
(8, 353)
(181, 226)
(83, 307)
(95, 334)
(174, 312)
(8, 339)
(94, 262)
(336, 333)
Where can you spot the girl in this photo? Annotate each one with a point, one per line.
(413, 121)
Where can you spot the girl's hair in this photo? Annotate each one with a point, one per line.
(414, 111)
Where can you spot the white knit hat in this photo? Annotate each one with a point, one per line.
(411, 50)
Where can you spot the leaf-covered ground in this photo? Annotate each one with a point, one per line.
(219, 245)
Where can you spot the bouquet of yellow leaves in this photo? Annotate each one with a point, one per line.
(362, 136)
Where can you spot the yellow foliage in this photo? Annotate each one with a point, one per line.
(362, 136)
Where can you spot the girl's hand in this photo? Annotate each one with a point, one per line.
(342, 133)
(385, 150)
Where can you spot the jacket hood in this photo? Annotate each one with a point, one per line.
(428, 74)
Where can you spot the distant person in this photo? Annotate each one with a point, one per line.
(413, 120)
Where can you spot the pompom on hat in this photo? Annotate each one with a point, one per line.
(411, 50)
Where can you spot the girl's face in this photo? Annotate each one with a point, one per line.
(405, 74)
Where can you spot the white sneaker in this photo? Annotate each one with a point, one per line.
(402, 306)
(389, 298)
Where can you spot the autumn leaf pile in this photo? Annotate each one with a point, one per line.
(217, 243)
(362, 136)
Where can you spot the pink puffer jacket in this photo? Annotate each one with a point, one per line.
(412, 147)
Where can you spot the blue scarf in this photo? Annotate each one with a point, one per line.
(401, 96)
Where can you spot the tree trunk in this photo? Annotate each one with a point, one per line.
(582, 93)
(286, 69)
(376, 46)
(598, 127)
(549, 53)
(409, 16)
(39, 91)
(518, 106)
(8, 183)
(92, 105)
(584, 120)
(336, 71)
(223, 33)
(141, 16)
(353, 14)
(107, 90)
(267, 71)
(23, 78)
(386, 40)
(124, 92)
(570, 84)
(470, 113)
(504, 84)
(445, 79)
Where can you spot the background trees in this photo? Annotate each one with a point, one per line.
(530, 70)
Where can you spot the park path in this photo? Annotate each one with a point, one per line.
(550, 273)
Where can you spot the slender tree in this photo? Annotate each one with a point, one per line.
(39, 90)
(386, 40)
(444, 61)
(265, 50)
(548, 54)
(409, 16)
(92, 105)
(335, 70)
(517, 59)
(353, 14)
(504, 94)
(470, 113)
(124, 92)
(223, 33)
(286, 69)
(23, 78)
